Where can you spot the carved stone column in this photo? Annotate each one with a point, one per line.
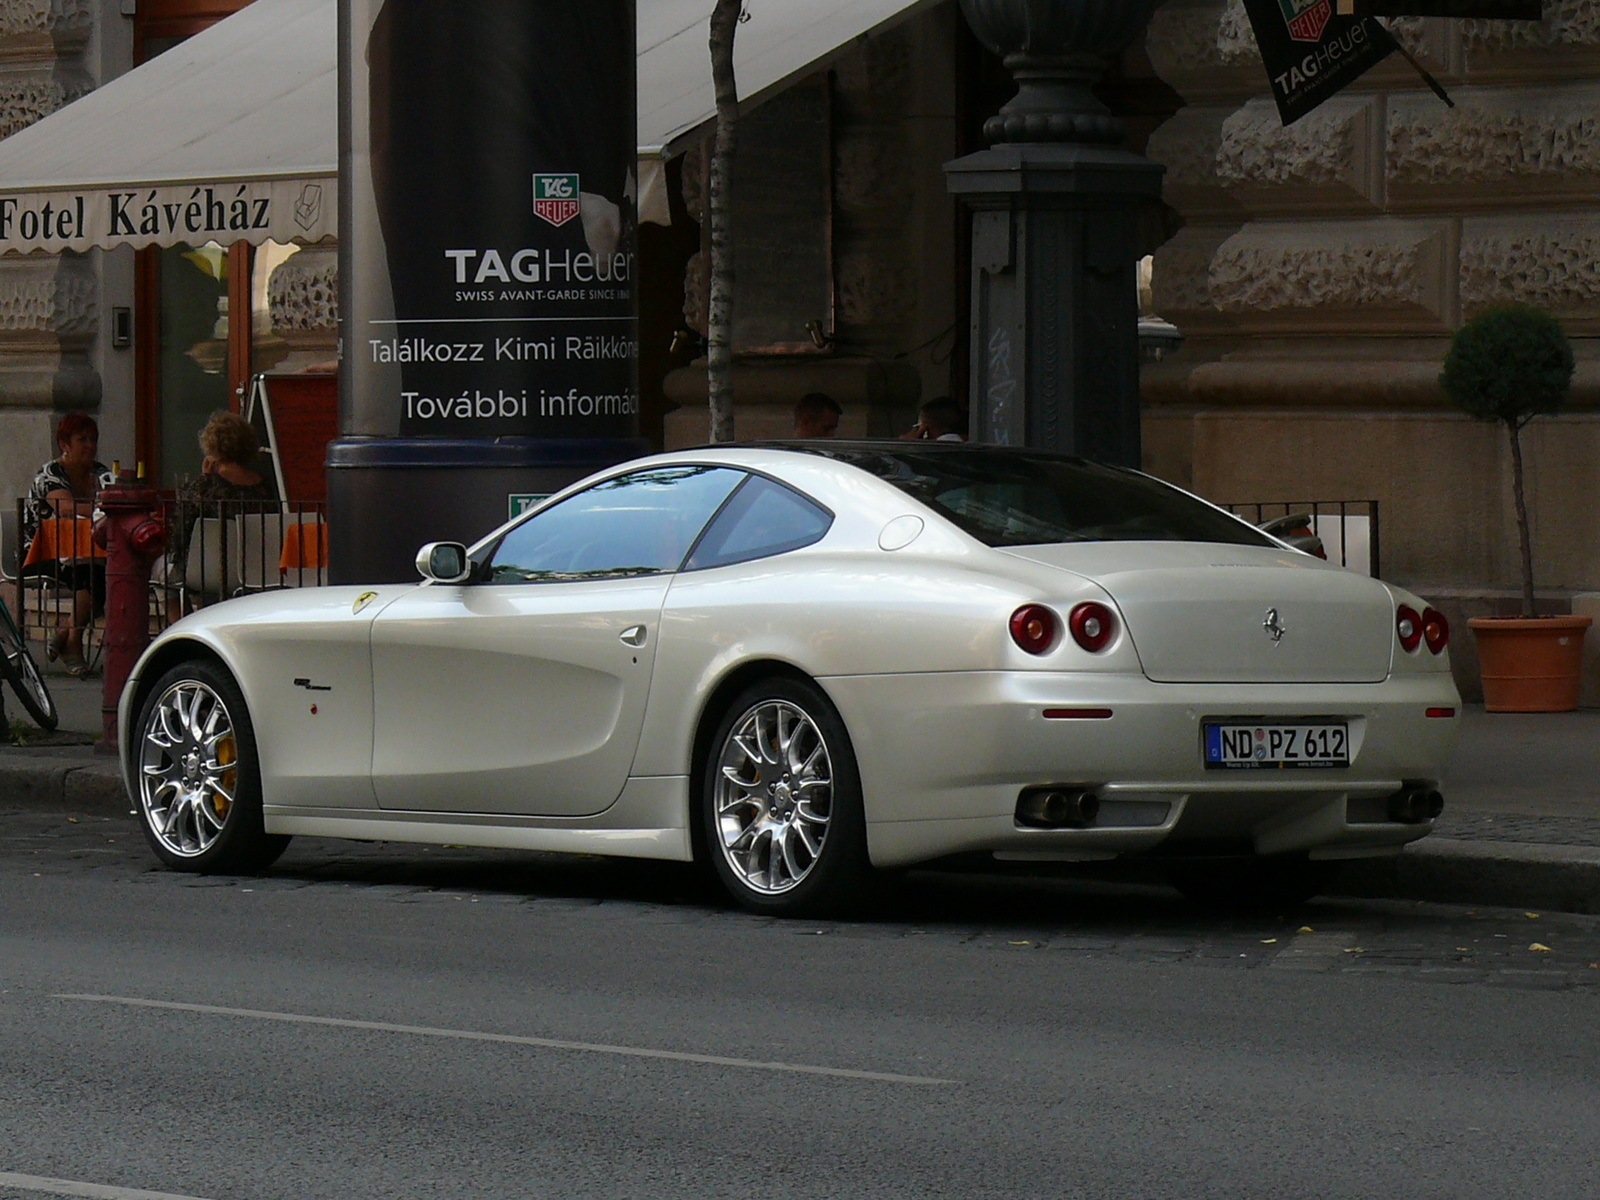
(49, 304)
(1056, 207)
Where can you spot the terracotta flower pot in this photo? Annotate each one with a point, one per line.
(1530, 664)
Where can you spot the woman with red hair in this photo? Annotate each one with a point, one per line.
(64, 488)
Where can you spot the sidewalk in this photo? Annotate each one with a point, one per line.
(1521, 823)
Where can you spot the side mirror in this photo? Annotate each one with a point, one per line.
(444, 562)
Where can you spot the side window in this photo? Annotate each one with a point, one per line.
(764, 518)
(638, 524)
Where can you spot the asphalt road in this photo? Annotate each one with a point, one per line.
(394, 1022)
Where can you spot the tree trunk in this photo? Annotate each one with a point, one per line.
(719, 350)
(1522, 519)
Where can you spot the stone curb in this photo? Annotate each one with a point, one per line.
(1494, 874)
(1442, 870)
(70, 783)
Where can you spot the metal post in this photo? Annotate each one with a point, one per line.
(1056, 210)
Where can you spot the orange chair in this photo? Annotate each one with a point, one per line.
(305, 551)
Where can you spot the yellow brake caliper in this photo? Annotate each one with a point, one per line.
(227, 755)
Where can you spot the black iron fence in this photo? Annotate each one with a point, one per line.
(1349, 530)
(216, 549)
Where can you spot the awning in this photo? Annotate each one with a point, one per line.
(233, 134)
(782, 42)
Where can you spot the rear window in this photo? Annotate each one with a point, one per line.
(1019, 498)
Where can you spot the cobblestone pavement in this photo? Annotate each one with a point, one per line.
(1080, 917)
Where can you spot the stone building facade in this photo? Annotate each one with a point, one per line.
(1321, 268)
(54, 350)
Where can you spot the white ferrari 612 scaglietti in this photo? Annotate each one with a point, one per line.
(798, 662)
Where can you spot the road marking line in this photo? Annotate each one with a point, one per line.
(71, 1187)
(469, 1035)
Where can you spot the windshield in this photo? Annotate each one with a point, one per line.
(1007, 497)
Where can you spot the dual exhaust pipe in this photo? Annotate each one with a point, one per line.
(1057, 808)
(1077, 808)
(1413, 805)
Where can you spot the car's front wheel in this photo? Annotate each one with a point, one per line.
(197, 776)
(780, 802)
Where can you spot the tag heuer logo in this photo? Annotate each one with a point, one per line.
(555, 197)
(1306, 18)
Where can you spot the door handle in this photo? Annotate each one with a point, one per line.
(634, 635)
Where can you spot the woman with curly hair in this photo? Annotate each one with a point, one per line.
(227, 473)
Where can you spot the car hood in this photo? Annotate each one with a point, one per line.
(1201, 612)
(291, 605)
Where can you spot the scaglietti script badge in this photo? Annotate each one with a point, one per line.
(1274, 627)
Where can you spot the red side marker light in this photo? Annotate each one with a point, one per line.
(1440, 712)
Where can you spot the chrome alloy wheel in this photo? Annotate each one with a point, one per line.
(774, 797)
(188, 768)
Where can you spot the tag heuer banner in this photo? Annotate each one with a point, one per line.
(1311, 53)
(490, 242)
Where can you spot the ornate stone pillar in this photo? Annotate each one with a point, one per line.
(1056, 206)
(49, 304)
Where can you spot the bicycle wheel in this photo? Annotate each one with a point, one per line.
(23, 674)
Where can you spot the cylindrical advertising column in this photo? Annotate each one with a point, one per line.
(488, 266)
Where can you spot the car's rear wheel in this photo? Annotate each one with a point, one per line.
(1277, 882)
(780, 803)
(197, 775)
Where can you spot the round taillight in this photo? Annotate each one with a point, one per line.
(1092, 626)
(1033, 627)
(1435, 629)
(1409, 627)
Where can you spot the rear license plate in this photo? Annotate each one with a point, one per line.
(1241, 746)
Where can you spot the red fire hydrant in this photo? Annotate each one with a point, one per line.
(133, 538)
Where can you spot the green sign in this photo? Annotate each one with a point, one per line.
(518, 503)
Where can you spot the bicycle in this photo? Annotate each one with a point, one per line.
(23, 673)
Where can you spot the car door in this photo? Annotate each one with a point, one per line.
(525, 693)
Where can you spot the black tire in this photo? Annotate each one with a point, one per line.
(228, 839)
(835, 878)
(1253, 885)
(25, 678)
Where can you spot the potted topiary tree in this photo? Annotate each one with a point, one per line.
(1510, 364)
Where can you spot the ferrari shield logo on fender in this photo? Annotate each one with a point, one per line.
(555, 197)
(1306, 18)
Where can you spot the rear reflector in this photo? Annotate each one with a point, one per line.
(1440, 712)
(1076, 714)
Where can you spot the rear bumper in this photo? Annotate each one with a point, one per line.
(943, 758)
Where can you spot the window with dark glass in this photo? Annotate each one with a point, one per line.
(763, 518)
(1020, 498)
(638, 524)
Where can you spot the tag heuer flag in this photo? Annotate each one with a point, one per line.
(1310, 53)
